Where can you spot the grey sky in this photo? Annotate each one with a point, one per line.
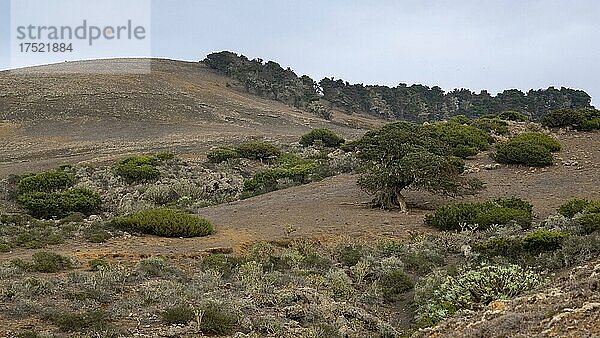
(492, 45)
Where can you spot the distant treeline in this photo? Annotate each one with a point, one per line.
(412, 103)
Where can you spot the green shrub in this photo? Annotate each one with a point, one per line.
(350, 255)
(501, 212)
(68, 322)
(573, 207)
(98, 264)
(463, 140)
(45, 182)
(542, 139)
(217, 320)
(178, 315)
(165, 222)
(499, 246)
(473, 288)
(512, 115)
(267, 180)
(514, 203)
(491, 125)
(261, 151)
(224, 264)
(460, 119)
(589, 125)
(326, 136)
(138, 169)
(589, 223)
(543, 240)
(60, 204)
(523, 152)
(394, 283)
(50, 262)
(222, 155)
(582, 119)
(164, 156)
(157, 267)
(562, 118)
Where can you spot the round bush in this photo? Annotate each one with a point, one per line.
(543, 240)
(589, 223)
(523, 152)
(166, 223)
(539, 138)
(573, 207)
(60, 204)
(45, 182)
(138, 169)
(258, 151)
(326, 136)
(562, 118)
(221, 155)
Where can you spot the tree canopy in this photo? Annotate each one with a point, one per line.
(416, 103)
(404, 155)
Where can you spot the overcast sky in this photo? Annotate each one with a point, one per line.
(492, 45)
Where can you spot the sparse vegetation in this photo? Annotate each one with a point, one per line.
(325, 136)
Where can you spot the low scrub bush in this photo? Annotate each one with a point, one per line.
(260, 151)
(585, 119)
(288, 167)
(499, 246)
(165, 222)
(138, 169)
(60, 204)
(490, 125)
(222, 155)
(502, 211)
(177, 315)
(79, 321)
(463, 140)
(50, 262)
(441, 297)
(523, 152)
(542, 139)
(512, 115)
(589, 223)
(543, 240)
(327, 137)
(226, 265)
(157, 267)
(394, 283)
(45, 182)
(573, 207)
(350, 255)
(217, 320)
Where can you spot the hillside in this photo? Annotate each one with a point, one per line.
(169, 217)
(56, 117)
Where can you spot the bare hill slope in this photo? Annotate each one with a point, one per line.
(52, 115)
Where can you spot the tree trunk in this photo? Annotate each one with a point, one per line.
(401, 202)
